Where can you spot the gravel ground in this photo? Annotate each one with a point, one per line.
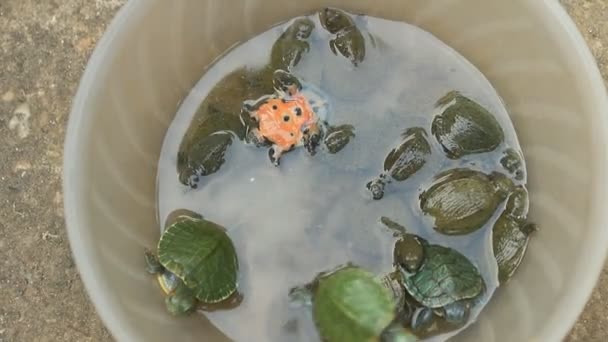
(44, 46)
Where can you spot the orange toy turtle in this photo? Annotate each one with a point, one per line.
(285, 119)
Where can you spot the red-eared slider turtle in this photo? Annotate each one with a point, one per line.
(464, 127)
(350, 304)
(196, 264)
(402, 161)
(200, 154)
(512, 161)
(511, 234)
(441, 279)
(348, 39)
(461, 200)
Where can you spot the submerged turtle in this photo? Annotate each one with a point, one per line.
(512, 161)
(196, 264)
(348, 39)
(461, 200)
(402, 161)
(204, 158)
(511, 234)
(441, 279)
(464, 127)
(350, 304)
(221, 110)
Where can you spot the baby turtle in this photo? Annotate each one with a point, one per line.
(441, 279)
(350, 304)
(511, 234)
(464, 127)
(348, 39)
(196, 264)
(205, 157)
(461, 200)
(402, 161)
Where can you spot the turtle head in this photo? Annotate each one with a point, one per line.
(285, 83)
(180, 303)
(301, 28)
(153, 266)
(408, 253)
(334, 20)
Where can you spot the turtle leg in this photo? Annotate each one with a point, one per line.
(181, 301)
(153, 266)
(332, 46)
(457, 313)
(311, 138)
(274, 154)
(529, 228)
(376, 188)
(301, 295)
(422, 319)
(255, 137)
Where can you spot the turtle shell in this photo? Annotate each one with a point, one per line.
(461, 201)
(351, 305)
(446, 277)
(201, 254)
(410, 156)
(464, 127)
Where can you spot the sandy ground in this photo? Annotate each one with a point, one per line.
(44, 46)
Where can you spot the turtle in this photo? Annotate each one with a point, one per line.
(204, 158)
(221, 112)
(512, 161)
(196, 266)
(462, 200)
(402, 161)
(511, 234)
(295, 115)
(348, 40)
(464, 127)
(350, 304)
(442, 280)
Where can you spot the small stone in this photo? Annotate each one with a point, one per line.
(20, 121)
(22, 165)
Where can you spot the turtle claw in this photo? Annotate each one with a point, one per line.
(275, 156)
